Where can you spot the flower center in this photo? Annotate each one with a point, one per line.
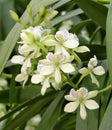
(60, 36)
(56, 60)
(80, 96)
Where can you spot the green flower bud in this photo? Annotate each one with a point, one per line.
(29, 10)
(42, 11)
(14, 16)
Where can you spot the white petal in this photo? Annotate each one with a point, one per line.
(91, 104)
(49, 40)
(84, 71)
(37, 78)
(67, 68)
(71, 43)
(94, 80)
(18, 59)
(45, 86)
(71, 107)
(83, 113)
(21, 77)
(27, 48)
(99, 70)
(69, 98)
(82, 49)
(57, 76)
(46, 70)
(92, 94)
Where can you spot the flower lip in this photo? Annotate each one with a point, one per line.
(92, 62)
(55, 57)
(62, 35)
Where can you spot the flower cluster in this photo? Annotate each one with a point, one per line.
(57, 50)
(50, 59)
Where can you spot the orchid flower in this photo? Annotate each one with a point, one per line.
(93, 69)
(64, 41)
(54, 64)
(81, 98)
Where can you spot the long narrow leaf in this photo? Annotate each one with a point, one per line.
(27, 113)
(109, 40)
(51, 115)
(95, 11)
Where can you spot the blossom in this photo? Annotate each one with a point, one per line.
(29, 38)
(44, 80)
(93, 69)
(32, 32)
(54, 64)
(81, 98)
(64, 41)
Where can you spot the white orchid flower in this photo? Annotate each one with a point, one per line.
(45, 80)
(32, 32)
(29, 37)
(81, 98)
(64, 41)
(93, 69)
(54, 64)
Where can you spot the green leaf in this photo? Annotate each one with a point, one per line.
(6, 23)
(50, 117)
(21, 94)
(106, 123)
(60, 3)
(94, 50)
(13, 36)
(109, 40)
(27, 113)
(95, 11)
(78, 27)
(66, 16)
(25, 104)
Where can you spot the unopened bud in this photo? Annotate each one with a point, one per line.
(14, 16)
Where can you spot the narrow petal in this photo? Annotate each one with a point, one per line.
(49, 40)
(69, 98)
(71, 107)
(27, 48)
(91, 104)
(92, 94)
(83, 113)
(99, 70)
(82, 49)
(18, 59)
(67, 68)
(94, 80)
(45, 86)
(71, 43)
(46, 70)
(57, 76)
(84, 71)
(37, 78)
(20, 77)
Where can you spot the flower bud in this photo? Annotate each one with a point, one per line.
(14, 16)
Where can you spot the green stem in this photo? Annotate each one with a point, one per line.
(7, 75)
(71, 83)
(81, 78)
(105, 89)
(42, 47)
